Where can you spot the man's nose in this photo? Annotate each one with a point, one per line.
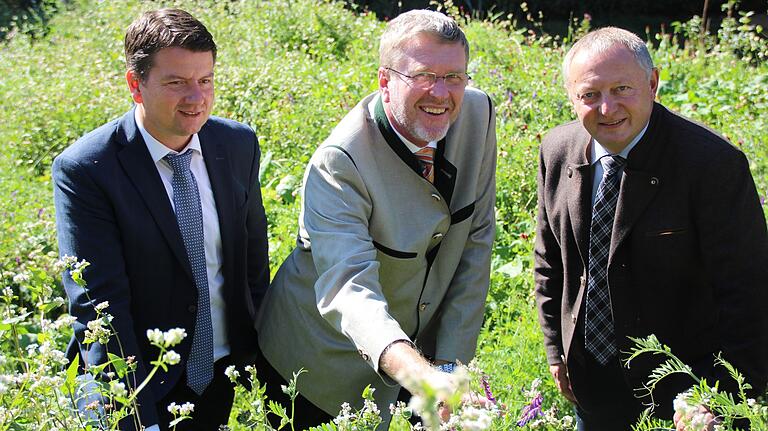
(195, 93)
(607, 105)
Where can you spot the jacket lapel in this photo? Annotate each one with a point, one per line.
(445, 171)
(137, 163)
(220, 177)
(640, 181)
(579, 192)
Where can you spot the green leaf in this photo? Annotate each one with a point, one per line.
(119, 364)
(512, 269)
(68, 387)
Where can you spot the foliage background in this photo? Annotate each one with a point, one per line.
(292, 69)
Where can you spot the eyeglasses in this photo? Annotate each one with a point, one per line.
(426, 80)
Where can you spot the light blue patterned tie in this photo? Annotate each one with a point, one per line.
(189, 215)
(600, 339)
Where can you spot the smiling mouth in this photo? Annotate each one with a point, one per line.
(614, 123)
(434, 111)
(190, 113)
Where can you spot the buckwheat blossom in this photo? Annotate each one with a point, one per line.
(186, 409)
(155, 336)
(475, 419)
(174, 336)
(101, 306)
(21, 278)
(232, 373)
(117, 389)
(531, 411)
(345, 416)
(171, 358)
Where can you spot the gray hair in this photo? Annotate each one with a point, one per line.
(409, 24)
(604, 39)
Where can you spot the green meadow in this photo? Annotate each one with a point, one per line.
(292, 69)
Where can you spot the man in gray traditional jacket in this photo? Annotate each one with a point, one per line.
(389, 278)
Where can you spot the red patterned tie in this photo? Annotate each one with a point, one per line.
(427, 157)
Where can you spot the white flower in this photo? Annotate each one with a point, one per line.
(117, 389)
(173, 409)
(21, 278)
(171, 358)
(174, 336)
(101, 306)
(232, 373)
(155, 336)
(186, 409)
(475, 419)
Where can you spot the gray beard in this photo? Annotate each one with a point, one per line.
(416, 130)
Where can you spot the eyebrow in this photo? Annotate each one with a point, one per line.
(172, 77)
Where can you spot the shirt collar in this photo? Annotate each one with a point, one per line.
(411, 146)
(156, 149)
(598, 151)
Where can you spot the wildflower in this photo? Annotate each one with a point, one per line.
(174, 336)
(92, 406)
(155, 336)
(475, 419)
(21, 278)
(171, 358)
(232, 373)
(345, 416)
(101, 306)
(186, 409)
(118, 389)
(531, 411)
(487, 389)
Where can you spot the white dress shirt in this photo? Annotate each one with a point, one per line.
(597, 152)
(211, 232)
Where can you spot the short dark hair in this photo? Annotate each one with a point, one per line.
(163, 28)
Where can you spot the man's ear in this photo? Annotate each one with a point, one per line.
(654, 81)
(133, 80)
(384, 84)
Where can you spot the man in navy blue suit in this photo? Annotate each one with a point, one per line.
(165, 204)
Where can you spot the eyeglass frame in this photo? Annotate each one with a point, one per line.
(433, 77)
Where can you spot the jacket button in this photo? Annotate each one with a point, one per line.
(573, 318)
(363, 355)
(423, 306)
(436, 197)
(654, 181)
(569, 172)
(192, 308)
(437, 236)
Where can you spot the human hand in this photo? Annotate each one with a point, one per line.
(560, 374)
(699, 420)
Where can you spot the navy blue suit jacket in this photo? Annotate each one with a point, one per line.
(113, 211)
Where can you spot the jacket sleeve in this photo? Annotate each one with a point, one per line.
(548, 272)
(348, 292)
(734, 244)
(87, 229)
(258, 246)
(463, 307)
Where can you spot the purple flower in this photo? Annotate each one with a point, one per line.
(487, 389)
(531, 411)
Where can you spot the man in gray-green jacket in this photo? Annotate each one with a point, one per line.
(389, 278)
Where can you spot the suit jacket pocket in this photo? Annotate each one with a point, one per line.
(394, 253)
(666, 232)
(463, 214)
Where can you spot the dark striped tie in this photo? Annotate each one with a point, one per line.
(600, 339)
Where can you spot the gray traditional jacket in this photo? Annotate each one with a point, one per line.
(384, 255)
